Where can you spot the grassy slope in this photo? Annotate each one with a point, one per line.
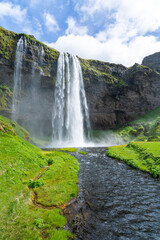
(145, 128)
(5, 98)
(142, 155)
(21, 164)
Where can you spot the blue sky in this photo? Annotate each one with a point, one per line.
(119, 31)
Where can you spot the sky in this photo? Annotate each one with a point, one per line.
(117, 31)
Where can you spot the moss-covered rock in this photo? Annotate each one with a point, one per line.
(145, 128)
(7, 43)
(111, 74)
(5, 98)
(9, 127)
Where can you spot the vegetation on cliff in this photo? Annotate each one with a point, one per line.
(144, 128)
(143, 151)
(140, 155)
(102, 71)
(8, 41)
(29, 210)
(5, 98)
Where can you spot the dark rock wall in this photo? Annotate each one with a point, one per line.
(116, 103)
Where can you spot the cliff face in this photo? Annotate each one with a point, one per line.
(115, 94)
(118, 94)
(38, 78)
(152, 61)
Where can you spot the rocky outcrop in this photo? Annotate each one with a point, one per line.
(115, 94)
(152, 61)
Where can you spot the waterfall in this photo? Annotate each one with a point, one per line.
(21, 45)
(70, 118)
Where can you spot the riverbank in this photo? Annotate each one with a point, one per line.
(35, 187)
(111, 199)
(141, 155)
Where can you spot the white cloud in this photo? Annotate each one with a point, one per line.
(133, 16)
(74, 28)
(90, 7)
(112, 50)
(7, 9)
(33, 29)
(10, 13)
(126, 34)
(50, 22)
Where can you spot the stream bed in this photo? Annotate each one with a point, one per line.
(114, 201)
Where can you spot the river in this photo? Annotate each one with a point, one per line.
(115, 201)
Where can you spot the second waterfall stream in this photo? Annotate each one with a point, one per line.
(70, 117)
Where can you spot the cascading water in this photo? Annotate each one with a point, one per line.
(17, 78)
(70, 117)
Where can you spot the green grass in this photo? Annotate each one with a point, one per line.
(100, 72)
(23, 166)
(5, 98)
(41, 141)
(7, 42)
(142, 155)
(68, 149)
(9, 127)
(60, 181)
(144, 128)
(82, 152)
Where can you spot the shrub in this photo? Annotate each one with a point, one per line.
(50, 161)
(35, 184)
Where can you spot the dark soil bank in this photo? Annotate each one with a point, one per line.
(114, 201)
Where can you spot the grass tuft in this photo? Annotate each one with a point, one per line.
(82, 152)
(68, 149)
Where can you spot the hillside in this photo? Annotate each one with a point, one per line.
(35, 185)
(144, 128)
(143, 151)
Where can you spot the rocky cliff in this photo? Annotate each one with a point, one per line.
(152, 61)
(115, 94)
(38, 73)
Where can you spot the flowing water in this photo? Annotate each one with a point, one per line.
(121, 202)
(17, 78)
(28, 95)
(70, 111)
